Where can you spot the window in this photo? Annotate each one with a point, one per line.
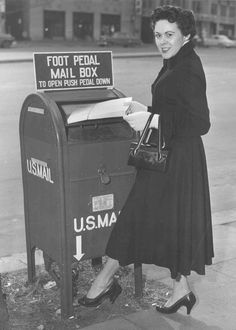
(176, 3)
(83, 25)
(109, 24)
(214, 9)
(196, 6)
(165, 2)
(54, 24)
(172, 2)
(145, 5)
(232, 11)
(223, 10)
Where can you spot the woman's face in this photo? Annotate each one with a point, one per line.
(168, 37)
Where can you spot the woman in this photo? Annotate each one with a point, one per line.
(166, 220)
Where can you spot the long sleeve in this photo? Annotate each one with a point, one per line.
(192, 100)
(180, 98)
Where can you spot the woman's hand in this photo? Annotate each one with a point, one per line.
(138, 120)
(136, 107)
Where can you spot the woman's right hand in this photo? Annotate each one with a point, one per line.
(137, 120)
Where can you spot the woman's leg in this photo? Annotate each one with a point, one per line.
(104, 278)
(180, 288)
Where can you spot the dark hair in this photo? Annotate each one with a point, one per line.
(182, 17)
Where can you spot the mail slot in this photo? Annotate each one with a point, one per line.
(76, 179)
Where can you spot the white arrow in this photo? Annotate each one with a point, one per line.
(79, 253)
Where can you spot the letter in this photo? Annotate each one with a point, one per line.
(86, 60)
(49, 58)
(34, 169)
(29, 165)
(39, 170)
(76, 229)
(88, 72)
(90, 222)
(82, 72)
(94, 72)
(103, 222)
(55, 74)
(44, 176)
(71, 75)
(66, 59)
(49, 176)
(96, 60)
(76, 59)
(112, 219)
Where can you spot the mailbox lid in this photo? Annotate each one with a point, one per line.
(85, 95)
(81, 105)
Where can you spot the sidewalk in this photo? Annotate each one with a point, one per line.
(216, 292)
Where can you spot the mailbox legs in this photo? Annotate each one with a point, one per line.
(31, 264)
(4, 317)
(67, 310)
(64, 282)
(138, 280)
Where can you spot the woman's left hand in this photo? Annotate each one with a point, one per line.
(137, 120)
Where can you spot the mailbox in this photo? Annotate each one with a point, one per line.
(75, 177)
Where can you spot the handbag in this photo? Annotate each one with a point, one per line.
(147, 156)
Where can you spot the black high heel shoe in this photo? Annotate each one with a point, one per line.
(188, 300)
(112, 292)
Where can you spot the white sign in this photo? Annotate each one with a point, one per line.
(40, 169)
(78, 248)
(92, 222)
(54, 71)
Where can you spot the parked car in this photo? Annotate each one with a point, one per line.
(120, 39)
(197, 40)
(219, 40)
(6, 40)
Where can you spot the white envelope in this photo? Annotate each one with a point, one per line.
(107, 109)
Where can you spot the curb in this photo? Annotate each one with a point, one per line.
(18, 261)
(125, 55)
(20, 60)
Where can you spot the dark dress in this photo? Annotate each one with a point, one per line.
(166, 219)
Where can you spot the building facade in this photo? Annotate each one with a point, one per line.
(212, 16)
(71, 19)
(89, 19)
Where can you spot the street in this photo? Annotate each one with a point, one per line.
(133, 76)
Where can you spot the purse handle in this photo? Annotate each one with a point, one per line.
(144, 133)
